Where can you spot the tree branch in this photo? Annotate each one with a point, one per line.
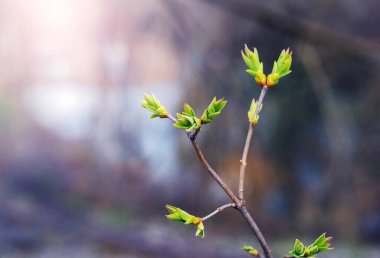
(240, 203)
(171, 117)
(294, 26)
(243, 160)
(256, 230)
(237, 202)
(218, 210)
(212, 172)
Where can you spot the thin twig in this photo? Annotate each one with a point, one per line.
(247, 144)
(193, 135)
(240, 203)
(256, 230)
(171, 117)
(218, 210)
(212, 172)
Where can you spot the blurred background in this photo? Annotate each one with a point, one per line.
(84, 172)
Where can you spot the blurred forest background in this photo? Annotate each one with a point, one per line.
(84, 172)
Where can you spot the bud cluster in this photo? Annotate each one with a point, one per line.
(176, 214)
(321, 244)
(189, 121)
(281, 67)
(252, 118)
(255, 67)
(213, 110)
(152, 104)
(251, 250)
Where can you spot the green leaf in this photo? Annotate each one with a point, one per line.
(171, 209)
(251, 250)
(247, 60)
(299, 247)
(155, 101)
(187, 120)
(251, 118)
(255, 67)
(284, 62)
(313, 250)
(274, 69)
(321, 244)
(281, 67)
(200, 230)
(174, 217)
(184, 215)
(189, 220)
(260, 78)
(152, 104)
(273, 79)
(187, 110)
(213, 110)
(320, 240)
(176, 214)
(251, 72)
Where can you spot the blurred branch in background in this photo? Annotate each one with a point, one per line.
(74, 153)
(340, 153)
(297, 27)
(325, 130)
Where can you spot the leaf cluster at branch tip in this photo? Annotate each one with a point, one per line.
(187, 120)
(321, 244)
(152, 104)
(255, 67)
(251, 118)
(251, 250)
(213, 110)
(176, 214)
(281, 67)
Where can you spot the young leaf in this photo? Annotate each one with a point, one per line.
(252, 59)
(281, 67)
(299, 248)
(171, 209)
(200, 230)
(176, 214)
(187, 120)
(251, 250)
(321, 244)
(255, 67)
(174, 217)
(189, 111)
(251, 118)
(213, 110)
(152, 104)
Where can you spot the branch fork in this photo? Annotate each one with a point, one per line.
(239, 202)
(233, 205)
(188, 121)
